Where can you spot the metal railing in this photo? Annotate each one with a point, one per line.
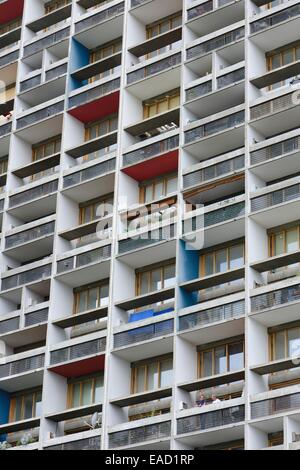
(277, 197)
(93, 443)
(84, 259)
(30, 83)
(275, 406)
(273, 106)
(89, 173)
(22, 366)
(33, 194)
(155, 236)
(78, 351)
(46, 42)
(44, 113)
(215, 43)
(212, 315)
(94, 93)
(9, 58)
(139, 435)
(276, 18)
(12, 324)
(198, 91)
(99, 17)
(154, 68)
(200, 10)
(150, 151)
(276, 150)
(29, 235)
(5, 129)
(230, 78)
(56, 72)
(27, 277)
(275, 298)
(34, 318)
(212, 419)
(143, 334)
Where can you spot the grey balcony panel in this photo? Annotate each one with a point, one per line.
(33, 194)
(84, 259)
(153, 69)
(78, 351)
(100, 17)
(212, 419)
(277, 75)
(26, 277)
(214, 280)
(276, 150)
(156, 236)
(89, 173)
(79, 318)
(80, 231)
(213, 315)
(30, 83)
(275, 198)
(137, 3)
(9, 58)
(230, 78)
(93, 145)
(145, 333)
(200, 10)
(275, 366)
(6, 326)
(276, 262)
(92, 443)
(198, 91)
(55, 72)
(144, 397)
(5, 129)
(273, 406)
(156, 43)
(275, 298)
(37, 317)
(216, 217)
(138, 435)
(22, 366)
(154, 122)
(273, 106)
(275, 19)
(10, 37)
(88, 3)
(98, 67)
(94, 93)
(51, 18)
(214, 381)
(150, 151)
(74, 413)
(44, 113)
(45, 42)
(29, 235)
(215, 43)
(146, 299)
(37, 166)
(19, 426)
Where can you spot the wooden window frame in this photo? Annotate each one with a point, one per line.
(99, 51)
(92, 204)
(202, 261)
(272, 340)
(146, 184)
(85, 289)
(22, 395)
(149, 272)
(212, 349)
(150, 362)
(81, 381)
(158, 100)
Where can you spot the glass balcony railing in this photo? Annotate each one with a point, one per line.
(213, 419)
(213, 315)
(33, 194)
(275, 298)
(154, 68)
(84, 259)
(138, 435)
(150, 151)
(215, 127)
(78, 351)
(31, 319)
(215, 43)
(9, 58)
(27, 277)
(44, 113)
(22, 366)
(37, 79)
(216, 217)
(275, 405)
(92, 443)
(29, 235)
(99, 17)
(89, 173)
(55, 72)
(46, 42)
(145, 333)
(273, 106)
(275, 19)
(214, 171)
(198, 91)
(275, 198)
(230, 78)
(6, 326)
(94, 93)
(276, 150)
(200, 10)
(155, 236)
(30, 83)
(5, 129)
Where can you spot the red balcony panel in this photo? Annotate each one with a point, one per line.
(80, 367)
(97, 109)
(153, 167)
(10, 10)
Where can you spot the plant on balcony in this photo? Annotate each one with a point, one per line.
(5, 445)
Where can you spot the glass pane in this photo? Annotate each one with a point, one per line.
(236, 256)
(140, 379)
(207, 364)
(87, 393)
(280, 345)
(144, 283)
(82, 302)
(220, 360)
(93, 298)
(209, 265)
(172, 185)
(28, 405)
(38, 404)
(166, 376)
(18, 409)
(169, 276)
(152, 376)
(99, 390)
(221, 261)
(276, 61)
(156, 280)
(292, 240)
(288, 57)
(76, 396)
(236, 356)
(149, 193)
(104, 295)
(294, 343)
(158, 190)
(279, 246)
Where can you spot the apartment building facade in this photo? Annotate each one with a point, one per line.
(150, 228)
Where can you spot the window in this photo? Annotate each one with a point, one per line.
(152, 375)
(281, 57)
(275, 439)
(100, 129)
(158, 188)
(285, 343)
(91, 297)
(95, 209)
(161, 104)
(3, 165)
(284, 241)
(155, 279)
(222, 260)
(160, 27)
(25, 406)
(85, 391)
(102, 53)
(221, 359)
(45, 149)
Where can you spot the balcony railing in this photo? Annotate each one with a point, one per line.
(277, 197)
(9, 58)
(275, 298)
(99, 17)
(84, 259)
(136, 3)
(198, 91)
(200, 10)
(89, 173)
(214, 171)
(93, 443)
(273, 106)
(145, 333)
(6, 326)
(46, 42)
(37, 79)
(31, 319)
(212, 315)
(213, 419)
(276, 150)
(230, 78)
(275, 406)
(275, 19)
(78, 351)
(5, 129)
(139, 435)
(154, 68)
(94, 93)
(150, 151)
(155, 236)
(33, 194)
(44, 113)
(216, 217)
(29, 235)
(214, 127)
(27, 277)
(215, 43)
(30, 83)
(22, 366)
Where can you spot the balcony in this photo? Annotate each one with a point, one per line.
(33, 117)
(138, 241)
(38, 45)
(98, 18)
(26, 275)
(19, 374)
(51, 19)
(9, 58)
(152, 436)
(5, 129)
(274, 406)
(89, 440)
(22, 329)
(10, 37)
(167, 40)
